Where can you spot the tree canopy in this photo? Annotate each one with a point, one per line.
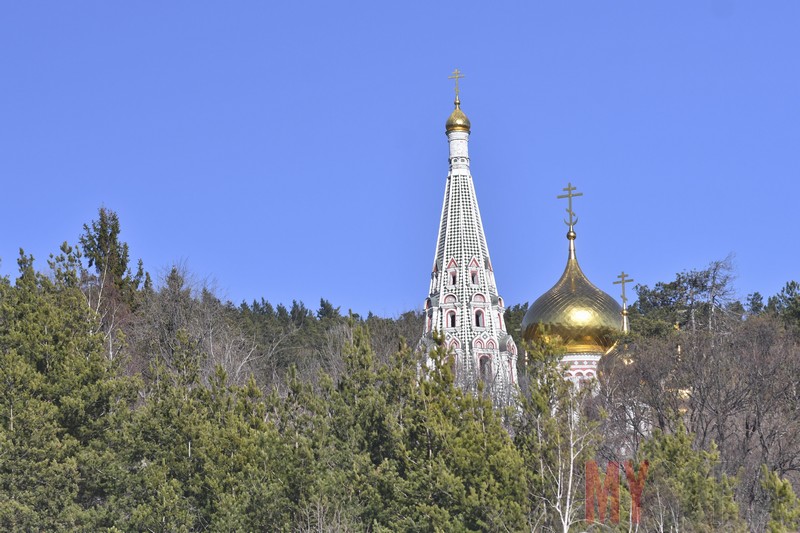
(128, 404)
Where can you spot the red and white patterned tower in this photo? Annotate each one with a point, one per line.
(463, 303)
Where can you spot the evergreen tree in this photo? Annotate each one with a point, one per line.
(784, 505)
(61, 397)
(112, 290)
(683, 491)
(786, 304)
(425, 455)
(327, 310)
(106, 253)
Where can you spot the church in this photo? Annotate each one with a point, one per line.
(464, 304)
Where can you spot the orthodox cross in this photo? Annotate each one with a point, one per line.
(570, 195)
(623, 279)
(456, 75)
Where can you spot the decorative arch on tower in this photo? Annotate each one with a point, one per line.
(452, 272)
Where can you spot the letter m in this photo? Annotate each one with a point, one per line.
(594, 492)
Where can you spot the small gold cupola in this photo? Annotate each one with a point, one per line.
(457, 121)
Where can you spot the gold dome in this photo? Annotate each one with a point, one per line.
(457, 121)
(583, 316)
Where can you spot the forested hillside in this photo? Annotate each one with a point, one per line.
(136, 404)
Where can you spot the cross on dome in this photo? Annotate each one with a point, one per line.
(570, 195)
(456, 75)
(623, 279)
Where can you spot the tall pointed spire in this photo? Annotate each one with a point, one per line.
(463, 302)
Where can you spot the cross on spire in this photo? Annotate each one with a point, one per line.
(456, 75)
(623, 279)
(570, 195)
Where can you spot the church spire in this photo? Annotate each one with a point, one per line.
(463, 302)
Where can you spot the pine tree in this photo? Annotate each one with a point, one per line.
(60, 398)
(683, 490)
(112, 290)
(425, 454)
(784, 505)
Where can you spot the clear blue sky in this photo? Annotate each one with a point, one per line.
(296, 150)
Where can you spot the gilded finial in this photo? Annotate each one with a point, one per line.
(456, 75)
(570, 195)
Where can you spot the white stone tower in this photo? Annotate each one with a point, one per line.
(463, 303)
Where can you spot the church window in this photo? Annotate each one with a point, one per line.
(474, 276)
(453, 277)
(486, 370)
(451, 319)
(479, 322)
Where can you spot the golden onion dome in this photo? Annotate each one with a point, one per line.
(457, 121)
(585, 318)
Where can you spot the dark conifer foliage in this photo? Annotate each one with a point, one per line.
(128, 404)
